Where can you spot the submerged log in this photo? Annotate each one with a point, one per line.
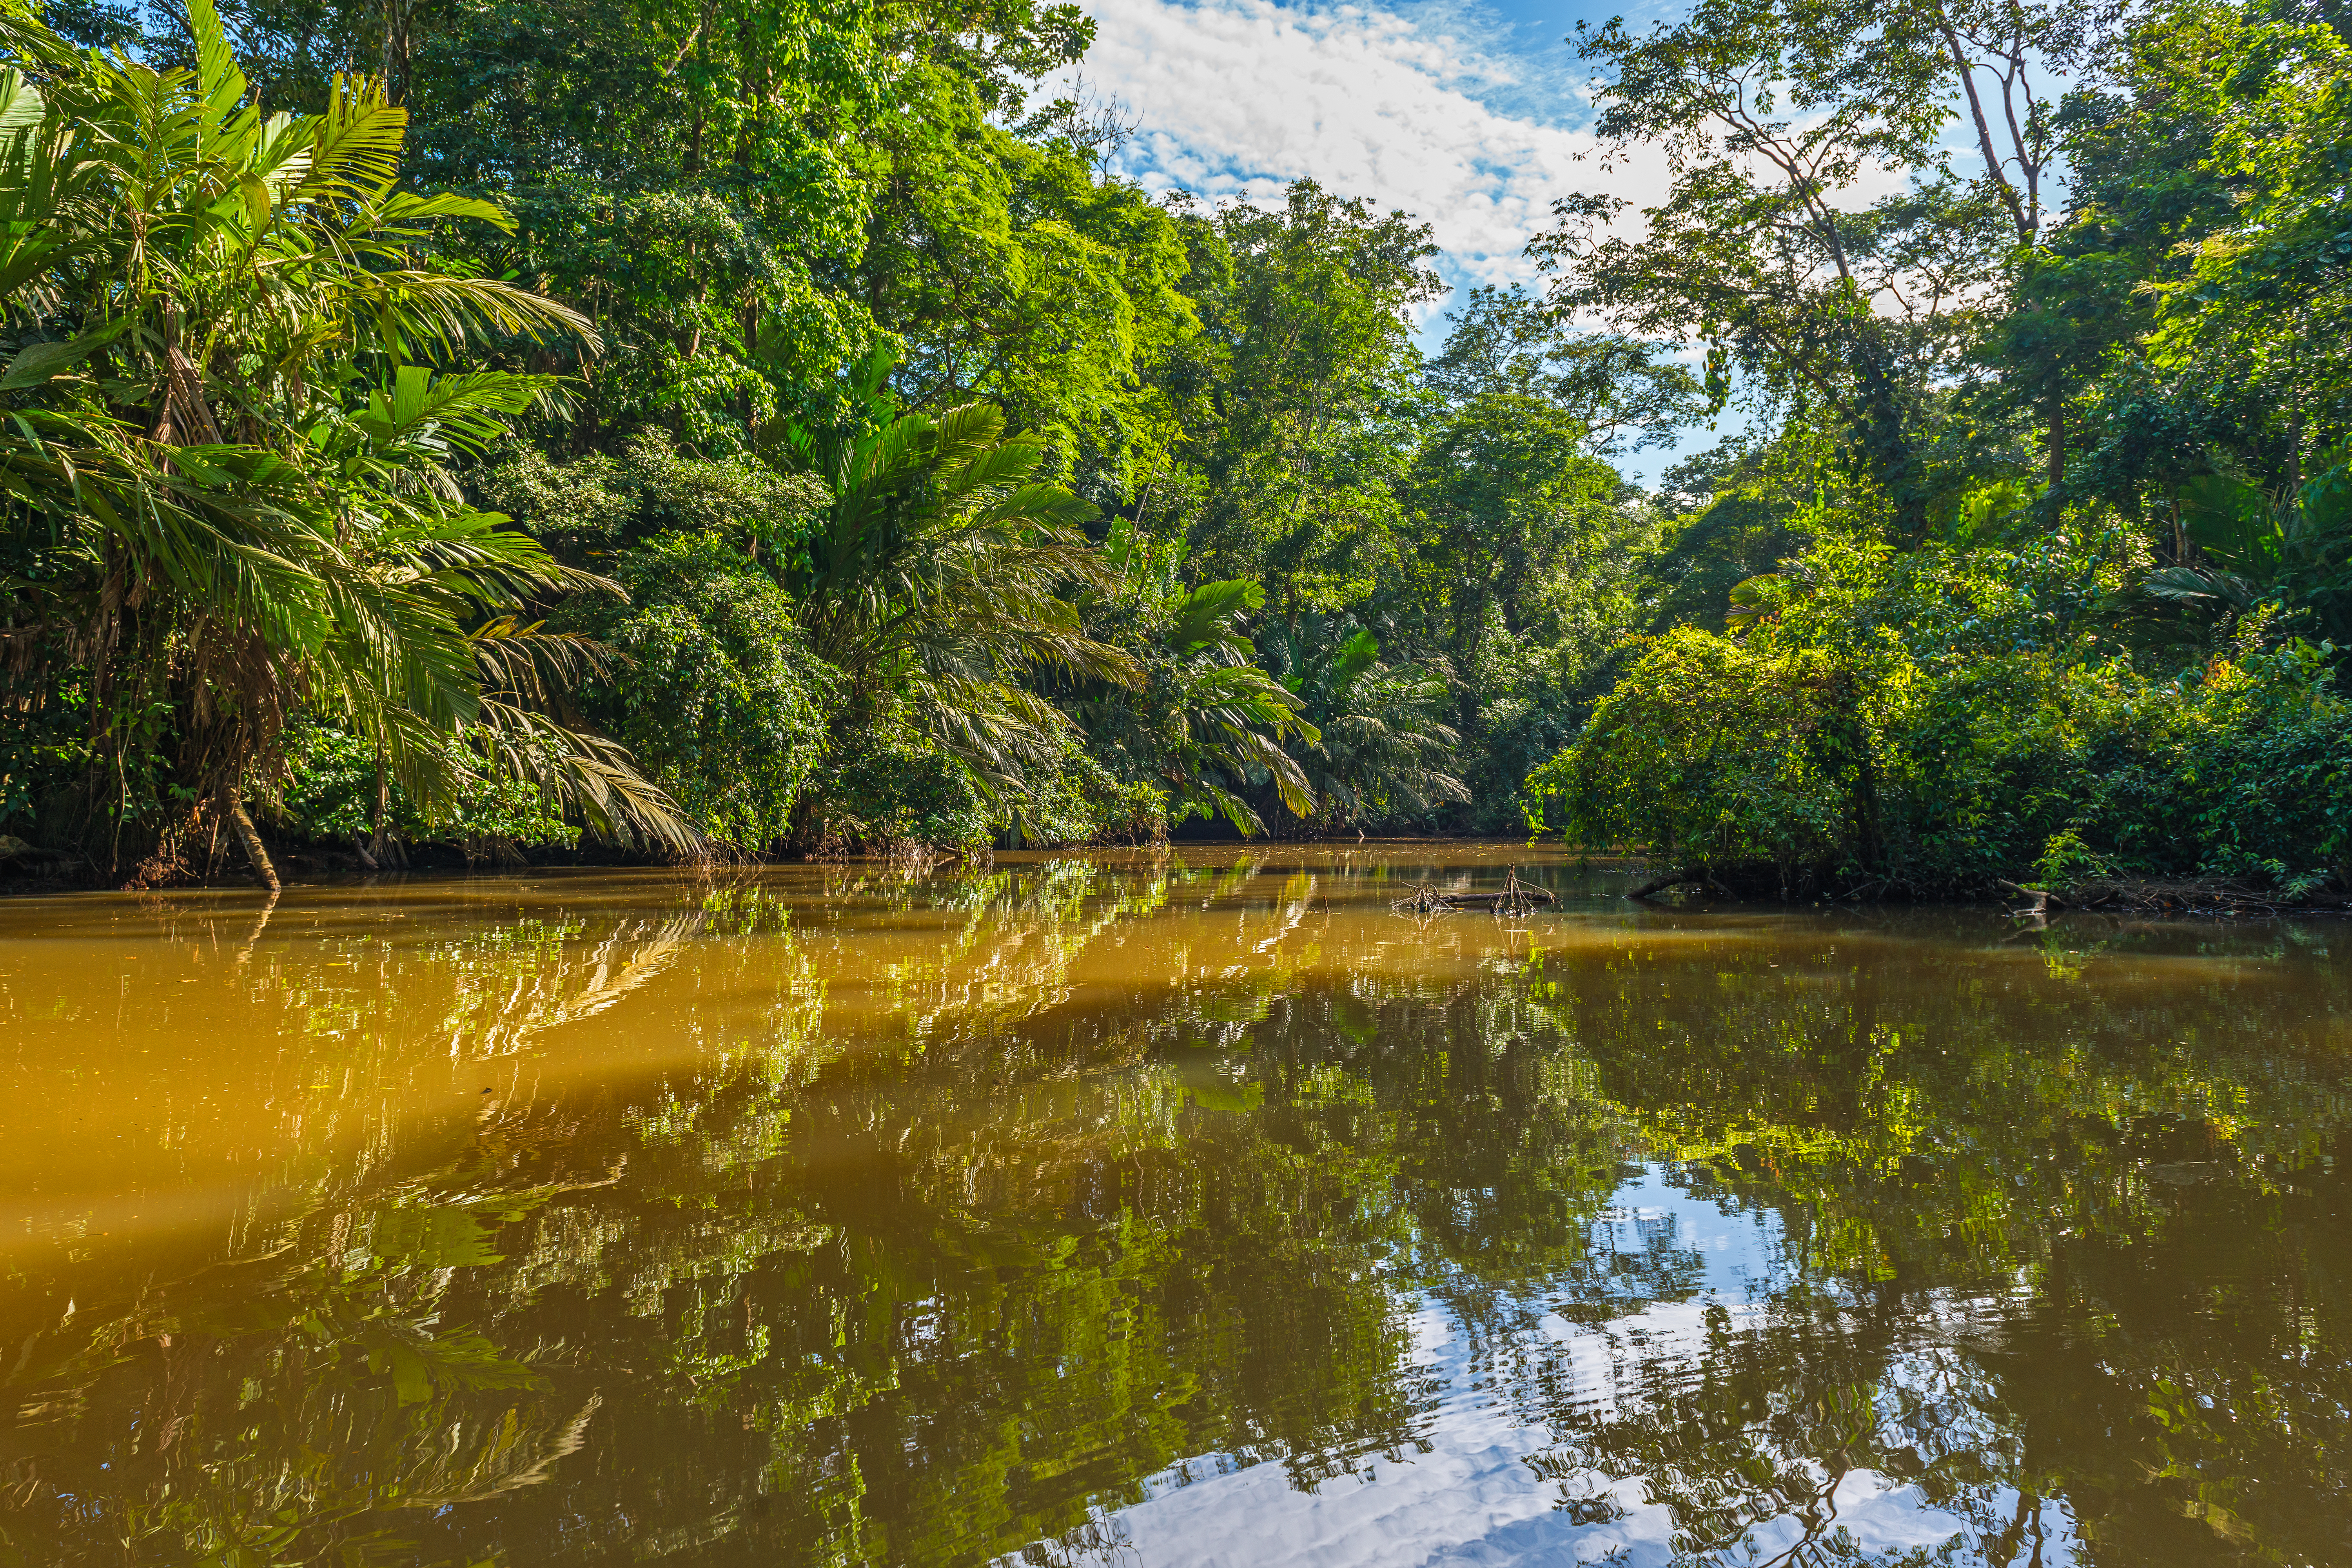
(1497, 900)
(1516, 898)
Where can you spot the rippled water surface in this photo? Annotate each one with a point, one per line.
(1168, 1210)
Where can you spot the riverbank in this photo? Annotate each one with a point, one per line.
(26, 869)
(2189, 897)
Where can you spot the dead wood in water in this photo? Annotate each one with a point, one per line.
(1517, 898)
(2206, 896)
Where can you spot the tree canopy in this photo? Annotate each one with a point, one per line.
(758, 431)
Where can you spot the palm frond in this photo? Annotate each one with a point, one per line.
(590, 775)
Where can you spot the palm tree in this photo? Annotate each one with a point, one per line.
(1229, 718)
(226, 456)
(1382, 750)
(2241, 549)
(1206, 723)
(934, 583)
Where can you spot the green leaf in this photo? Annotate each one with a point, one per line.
(1205, 615)
(21, 104)
(36, 362)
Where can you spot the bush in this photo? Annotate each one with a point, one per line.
(44, 755)
(2070, 771)
(889, 787)
(1078, 801)
(329, 794)
(717, 695)
(1708, 756)
(1936, 721)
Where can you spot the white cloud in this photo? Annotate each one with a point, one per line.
(1432, 106)
(1237, 98)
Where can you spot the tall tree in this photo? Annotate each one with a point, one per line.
(1776, 116)
(230, 480)
(1500, 496)
(1310, 372)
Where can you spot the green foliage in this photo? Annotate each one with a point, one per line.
(1205, 725)
(2083, 771)
(1935, 722)
(217, 274)
(1893, 659)
(331, 795)
(1080, 802)
(714, 690)
(1381, 752)
(914, 431)
(1707, 755)
(983, 247)
(932, 581)
(1768, 115)
(1504, 501)
(890, 786)
(1307, 365)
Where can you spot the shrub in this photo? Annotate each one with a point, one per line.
(1078, 801)
(716, 693)
(1934, 722)
(330, 790)
(890, 786)
(1708, 754)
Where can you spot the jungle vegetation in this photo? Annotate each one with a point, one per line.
(448, 427)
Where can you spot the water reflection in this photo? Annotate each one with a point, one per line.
(1174, 1210)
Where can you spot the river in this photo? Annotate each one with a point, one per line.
(1180, 1209)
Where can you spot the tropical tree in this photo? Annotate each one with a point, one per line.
(228, 464)
(1382, 750)
(1771, 119)
(1504, 500)
(2292, 552)
(1306, 365)
(934, 581)
(1229, 718)
(1207, 725)
(2267, 291)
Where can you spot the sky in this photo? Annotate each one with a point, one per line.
(1467, 114)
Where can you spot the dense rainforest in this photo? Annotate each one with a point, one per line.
(460, 427)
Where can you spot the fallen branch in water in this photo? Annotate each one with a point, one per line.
(2209, 896)
(1517, 898)
(2044, 900)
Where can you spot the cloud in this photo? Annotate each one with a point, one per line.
(1436, 107)
(1427, 108)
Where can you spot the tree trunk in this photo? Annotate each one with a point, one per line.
(232, 808)
(383, 800)
(2057, 440)
(396, 52)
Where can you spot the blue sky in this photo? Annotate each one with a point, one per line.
(1462, 112)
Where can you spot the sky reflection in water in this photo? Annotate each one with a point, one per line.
(1180, 1210)
(1464, 1492)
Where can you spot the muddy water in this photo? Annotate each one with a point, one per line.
(1186, 1210)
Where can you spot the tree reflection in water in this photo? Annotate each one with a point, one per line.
(934, 1218)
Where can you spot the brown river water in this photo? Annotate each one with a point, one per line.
(1164, 1210)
